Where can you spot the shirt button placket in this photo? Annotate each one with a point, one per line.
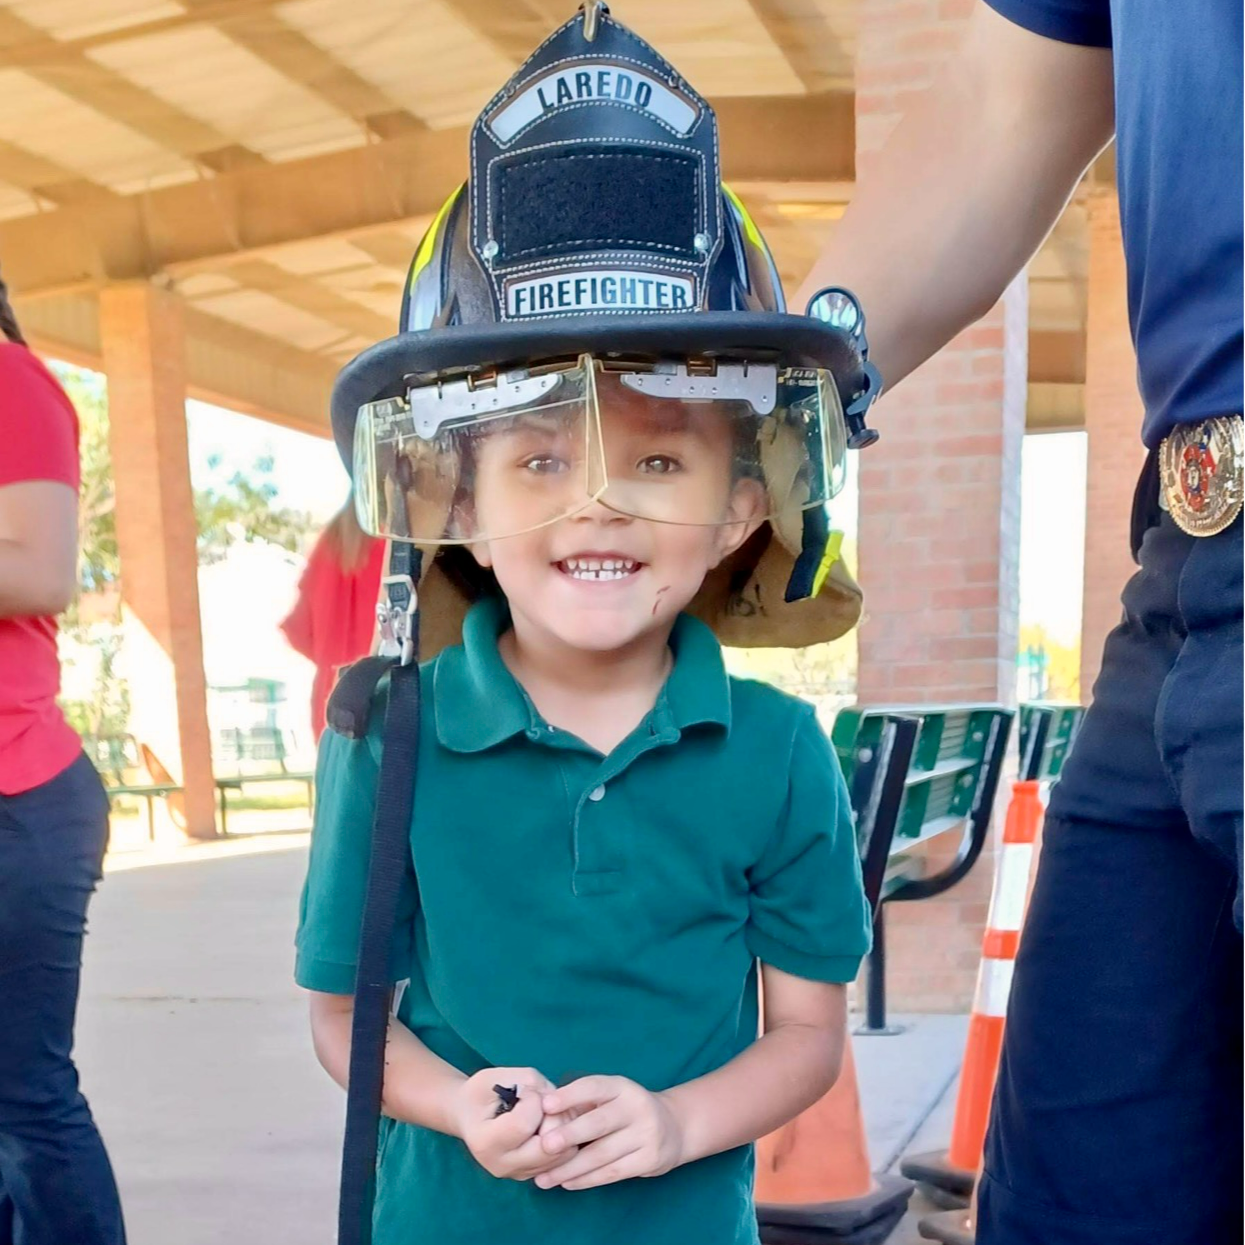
(593, 849)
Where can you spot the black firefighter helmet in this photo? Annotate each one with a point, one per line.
(594, 221)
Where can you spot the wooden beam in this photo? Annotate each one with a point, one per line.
(398, 181)
(1055, 408)
(287, 50)
(233, 367)
(788, 138)
(35, 47)
(50, 181)
(516, 29)
(1057, 356)
(801, 32)
(316, 298)
(226, 365)
(111, 95)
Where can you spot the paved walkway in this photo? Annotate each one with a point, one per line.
(195, 1054)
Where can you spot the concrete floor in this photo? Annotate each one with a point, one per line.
(195, 1055)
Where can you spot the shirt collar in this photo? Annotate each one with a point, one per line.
(478, 704)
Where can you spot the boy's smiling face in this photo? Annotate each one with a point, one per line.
(600, 580)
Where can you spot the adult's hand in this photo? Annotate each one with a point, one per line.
(967, 187)
(38, 548)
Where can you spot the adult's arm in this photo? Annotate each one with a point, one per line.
(38, 548)
(967, 186)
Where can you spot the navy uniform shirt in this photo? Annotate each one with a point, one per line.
(581, 913)
(1178, 86)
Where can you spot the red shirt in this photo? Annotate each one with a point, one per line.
(38, 441)
(334, 617)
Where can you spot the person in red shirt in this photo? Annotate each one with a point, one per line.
(56, 1183)
(334, 617)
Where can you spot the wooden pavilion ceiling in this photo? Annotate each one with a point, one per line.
(276, 161)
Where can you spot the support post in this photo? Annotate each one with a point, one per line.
(1113, 412)
(143, 343)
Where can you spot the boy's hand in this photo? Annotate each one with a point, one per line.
(624, 1131)
(509, 1145)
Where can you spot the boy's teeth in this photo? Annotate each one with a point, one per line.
(600, 568)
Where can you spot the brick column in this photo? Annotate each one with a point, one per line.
(1113, 412)
(939, 514)
(143, 345)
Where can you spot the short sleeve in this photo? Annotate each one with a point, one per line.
(331, 909)
(807, 912)
(38, 424)
(1085, 22)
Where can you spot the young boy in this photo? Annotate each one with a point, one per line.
(613, 841)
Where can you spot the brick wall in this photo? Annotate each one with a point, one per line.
(939, 516)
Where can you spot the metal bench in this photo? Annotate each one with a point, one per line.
(224, 785)
(946, 787)
(1047, 732)
(151, 791)
(148, 791)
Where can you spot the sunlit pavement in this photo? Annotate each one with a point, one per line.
(195, 1055)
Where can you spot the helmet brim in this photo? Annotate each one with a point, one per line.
(382, 370)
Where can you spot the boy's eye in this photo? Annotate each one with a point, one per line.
(660, 465)
(544, 464)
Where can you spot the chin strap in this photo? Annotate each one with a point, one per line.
(349, 710)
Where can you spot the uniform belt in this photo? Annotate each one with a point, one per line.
(1200, 471)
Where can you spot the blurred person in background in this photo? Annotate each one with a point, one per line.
(334, 618)
(56, 1183)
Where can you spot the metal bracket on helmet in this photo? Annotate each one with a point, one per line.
(395, 613)
(435, 405)
(593, 11)
(754, 383)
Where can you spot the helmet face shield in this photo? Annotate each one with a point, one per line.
(464, 461)
(702, 444)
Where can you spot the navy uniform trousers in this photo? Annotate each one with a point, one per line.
(1117, 1116)
(56, 1184)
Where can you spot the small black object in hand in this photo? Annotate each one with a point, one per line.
(507, 1099)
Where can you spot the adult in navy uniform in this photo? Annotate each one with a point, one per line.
(1117, 1117)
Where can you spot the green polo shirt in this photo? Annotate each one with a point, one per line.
(582, 913)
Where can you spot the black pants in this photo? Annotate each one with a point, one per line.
(1117, 1115)
(56, 1184)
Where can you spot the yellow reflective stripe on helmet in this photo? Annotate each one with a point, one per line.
(754, 234)
(424, 255)
(833, 551)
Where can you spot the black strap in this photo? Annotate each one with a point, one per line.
(350, 705)
(395, 799)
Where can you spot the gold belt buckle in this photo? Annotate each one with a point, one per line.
(1201, 466)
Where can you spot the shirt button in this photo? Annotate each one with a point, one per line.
(597, 793)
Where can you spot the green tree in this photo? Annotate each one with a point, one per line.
(241, 507)
(1063, 662)
(98, 564)
(106, 711)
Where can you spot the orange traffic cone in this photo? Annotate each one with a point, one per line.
(952, 1172)
(814, 1182)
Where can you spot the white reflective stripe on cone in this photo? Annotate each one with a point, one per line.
(994, 984)
(1011, 885)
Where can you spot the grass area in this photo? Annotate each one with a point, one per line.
(269, 801)
(268, 797)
